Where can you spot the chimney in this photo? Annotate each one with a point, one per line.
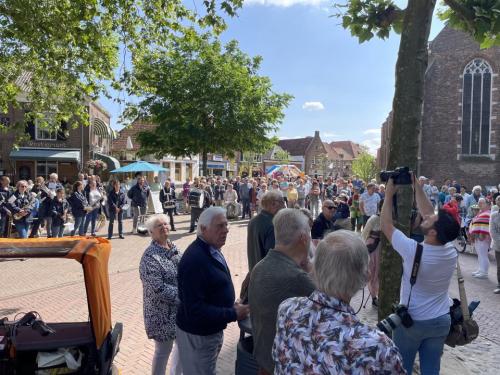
(316, 134)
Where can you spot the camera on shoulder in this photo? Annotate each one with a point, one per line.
(400, 176)
(399, 316)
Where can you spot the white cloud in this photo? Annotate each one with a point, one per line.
(373, 144)
(373, 131)
(313, 106)
(286, 137)
(285, 3)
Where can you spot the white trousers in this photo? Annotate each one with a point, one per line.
(482, 255)
(160, 358)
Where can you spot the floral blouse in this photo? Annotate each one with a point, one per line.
(322, 335)
(158, 271)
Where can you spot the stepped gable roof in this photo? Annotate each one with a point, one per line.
(332, 153)
(120, 143)
(297, 146)
(349, 149)
(270, 154)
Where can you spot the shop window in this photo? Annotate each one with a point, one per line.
(45, 168)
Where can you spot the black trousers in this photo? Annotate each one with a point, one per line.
(170, 212)
(112, 217)
(195, 215)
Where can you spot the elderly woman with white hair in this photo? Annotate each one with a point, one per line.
(341, 344)
(158, 272)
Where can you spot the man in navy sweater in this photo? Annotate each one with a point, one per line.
(206, 296)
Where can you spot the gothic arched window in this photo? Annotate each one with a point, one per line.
(476, 108)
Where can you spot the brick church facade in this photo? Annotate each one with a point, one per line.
(460, 132)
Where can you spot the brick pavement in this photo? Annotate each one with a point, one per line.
(55, 289)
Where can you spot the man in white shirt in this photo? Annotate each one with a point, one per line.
(368, 202)
(429, 305)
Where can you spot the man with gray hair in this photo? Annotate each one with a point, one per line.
(206, 293)
(260, 234)
(280, 275)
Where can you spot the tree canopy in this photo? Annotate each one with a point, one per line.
(368, 18)
(70, 49)
(365, 166)
(205, 98)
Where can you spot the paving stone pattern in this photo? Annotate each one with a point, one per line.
(55, 289)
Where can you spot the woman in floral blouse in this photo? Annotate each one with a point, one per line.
(158, 271)
(321, 334)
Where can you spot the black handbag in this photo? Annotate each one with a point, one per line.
(463, 328)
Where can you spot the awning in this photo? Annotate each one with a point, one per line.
(112, 162)
(102, 129)
(45, 154)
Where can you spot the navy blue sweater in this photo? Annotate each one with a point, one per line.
(206, 292)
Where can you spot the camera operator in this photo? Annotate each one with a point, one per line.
(427, 302)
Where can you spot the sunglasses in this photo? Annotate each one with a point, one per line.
(329, 207)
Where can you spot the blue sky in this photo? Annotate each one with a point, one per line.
(342, 88)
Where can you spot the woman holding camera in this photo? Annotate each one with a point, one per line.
(167, 199)
(340, 270)
(158, 272)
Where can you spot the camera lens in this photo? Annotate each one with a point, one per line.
(389, 324)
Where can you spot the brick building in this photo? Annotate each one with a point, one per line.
(64, 152)
(322, 158)
(460, 132)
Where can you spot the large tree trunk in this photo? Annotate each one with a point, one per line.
(204, 160)
(403, 148)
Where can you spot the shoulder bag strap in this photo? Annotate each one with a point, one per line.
(461, 290)
(415, 268)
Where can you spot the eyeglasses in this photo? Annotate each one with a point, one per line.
(329, 207)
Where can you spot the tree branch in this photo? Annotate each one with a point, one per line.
(464, 12)
(389, 16)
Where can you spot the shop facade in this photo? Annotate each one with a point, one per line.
(64, 151)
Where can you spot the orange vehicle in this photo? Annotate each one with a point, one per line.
(94, 342)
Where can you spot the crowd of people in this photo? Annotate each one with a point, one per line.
(308, 254)
(312, 244)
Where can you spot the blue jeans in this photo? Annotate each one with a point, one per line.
(425, 337)
(57, 230)
(22, 228)
(79, 226)
(91, 218)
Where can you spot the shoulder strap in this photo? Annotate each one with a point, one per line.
(415, 268)
(461, 290)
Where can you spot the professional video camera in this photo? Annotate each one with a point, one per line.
(400, 176)
(400, 316)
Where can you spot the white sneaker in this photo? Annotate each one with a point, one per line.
(476, 273)
(480, 275)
